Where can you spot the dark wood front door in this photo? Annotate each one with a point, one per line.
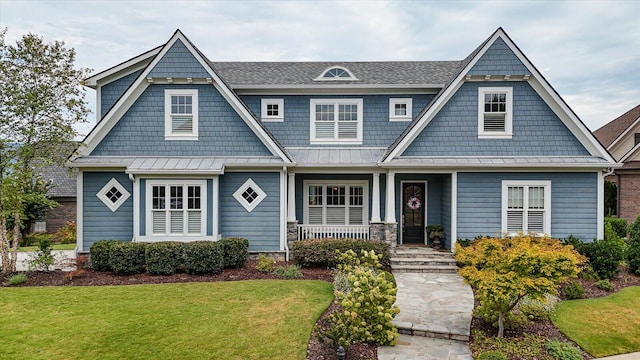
(413, 214)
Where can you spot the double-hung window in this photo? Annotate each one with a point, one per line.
(181, 114)
(336, 121)
(526, 207)
(336, 203)
(495, 112)
(176, 208)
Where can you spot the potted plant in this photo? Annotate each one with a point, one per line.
(435, 234)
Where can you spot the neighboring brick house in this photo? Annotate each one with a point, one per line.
(621, 137)
(64, 193)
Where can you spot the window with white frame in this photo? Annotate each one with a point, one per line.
(495, 112)
(336, 121)
(249, 195)
(400, 109)
(272, 110)
(526, 207)
(176, 208)
(181, 114)
(113, 194)
(336, 203)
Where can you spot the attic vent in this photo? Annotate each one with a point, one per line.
(336, 73)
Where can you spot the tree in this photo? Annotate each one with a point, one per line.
(40, 102)
(503, 271)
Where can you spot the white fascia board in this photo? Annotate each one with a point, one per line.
(92, 81)
(333, 86)
(630, 153)
(624, 133)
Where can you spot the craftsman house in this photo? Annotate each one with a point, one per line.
(188, 148)
(621, 137)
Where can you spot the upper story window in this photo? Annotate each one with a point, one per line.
(495, 112)
(272, 110)
(636, 139)
(336, 73)
(336, 121)
(400, 109)
(181, 114)
(526, 207)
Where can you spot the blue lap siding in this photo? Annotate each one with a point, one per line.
(573, 203)
(99, 222)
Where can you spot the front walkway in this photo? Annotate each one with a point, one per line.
(436, 310)
(64, 260)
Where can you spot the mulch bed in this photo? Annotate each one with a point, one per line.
(317, 350)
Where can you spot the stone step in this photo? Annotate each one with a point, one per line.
(431, 331)
(423, 261)
(421, 252)
(436, 269)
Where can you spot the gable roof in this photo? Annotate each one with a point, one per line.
(613, 130)
(538, 83)
(140, 84)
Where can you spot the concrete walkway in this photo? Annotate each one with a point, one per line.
(630, 356)
(434, 318)
(64, 260)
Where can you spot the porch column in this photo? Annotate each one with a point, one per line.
(375, 198)
(391, 198)
(291, 198)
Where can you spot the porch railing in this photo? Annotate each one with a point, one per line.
(333, 231)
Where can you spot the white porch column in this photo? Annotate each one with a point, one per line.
(391, 198)
(454, 210)
(375, 198)
(291, 198)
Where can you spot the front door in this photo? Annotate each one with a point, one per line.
(413, 214)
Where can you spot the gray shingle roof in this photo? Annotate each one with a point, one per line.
(63, 179)
(367, 72)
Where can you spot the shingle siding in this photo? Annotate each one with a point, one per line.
(537, 130)
(499, 60)
(141, 130)
(99, 222)
(260, 226)
(573, 203)
(111, 92)
(377, 129)
(178, 62)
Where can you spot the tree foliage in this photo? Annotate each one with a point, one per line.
(503, 271)
(40, 102)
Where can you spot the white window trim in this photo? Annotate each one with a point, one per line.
(547, 202)
(249, 184)
(150, 236)
(322, 77)
(271, 118)
(102, 195)
(508, 121)
(392, 109)
(168, 130)
(335, 102)
(365, 200)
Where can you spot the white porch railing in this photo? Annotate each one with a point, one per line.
(333, 231)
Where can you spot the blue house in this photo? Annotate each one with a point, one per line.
(187, 148)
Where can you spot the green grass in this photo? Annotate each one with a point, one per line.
(604, 326)
(225, 320)
(54, 247)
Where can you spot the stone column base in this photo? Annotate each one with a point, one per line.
(386, 232)
(292, 233)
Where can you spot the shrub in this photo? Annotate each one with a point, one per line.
(573, 290)
(127, 258)
(618, 225)
(99, 254)
(464, 242)
(66, 234)
(605, 285)
(536, 310)
(575, 242)
(492, 355)
(164, 258)
(522, 347)
(34, 238)
(18, 279)
(604, 256)
(563, 350)
(322, 252)
(203, 257)
(43, 258)
(633, 251)
(587, 273)
(288, 272)
(235, 251)
(265, 263)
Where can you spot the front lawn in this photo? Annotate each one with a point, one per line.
(603, 326)
(54, 247)
(224, 320)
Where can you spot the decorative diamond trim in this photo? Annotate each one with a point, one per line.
(249, 195)
(113, 195)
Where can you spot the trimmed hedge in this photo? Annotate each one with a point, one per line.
(618, 225)
(100, 253)
(126, 258)
(235, 251)
(164, 258)
(322, 252)
(203, 257)
(633, 250)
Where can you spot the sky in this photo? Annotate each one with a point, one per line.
(588, 50)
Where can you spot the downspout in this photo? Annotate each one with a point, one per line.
(133, 179)
(284, 213)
